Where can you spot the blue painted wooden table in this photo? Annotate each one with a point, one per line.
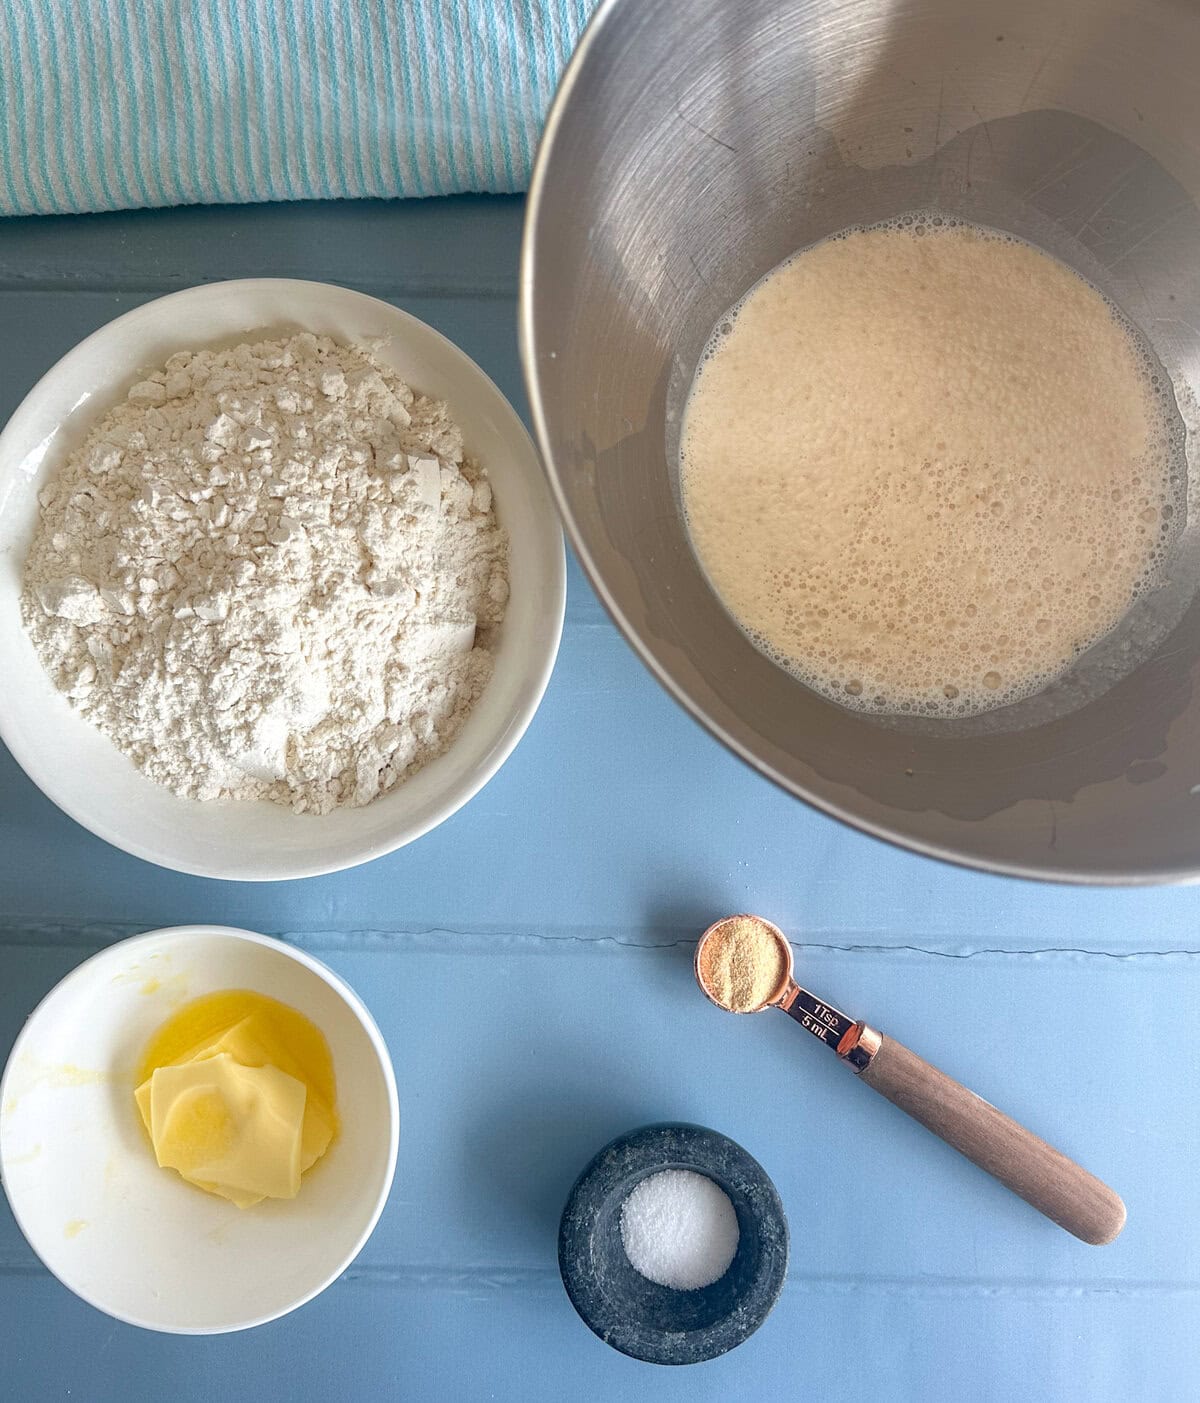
(529, 963)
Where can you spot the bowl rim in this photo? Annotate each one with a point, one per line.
(891, 834)
(537, 671)
(366, 1021)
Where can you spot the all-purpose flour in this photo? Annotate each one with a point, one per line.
(270, 573)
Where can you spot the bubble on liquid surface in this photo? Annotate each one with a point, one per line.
(927, 465)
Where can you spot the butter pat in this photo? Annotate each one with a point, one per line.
(254, 1043)
(233, 1129)
(237, 1095)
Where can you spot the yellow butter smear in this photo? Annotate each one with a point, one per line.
(237, 1093)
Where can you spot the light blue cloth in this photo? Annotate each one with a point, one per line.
(115, 104)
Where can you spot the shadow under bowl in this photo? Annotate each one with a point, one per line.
(658, 1323)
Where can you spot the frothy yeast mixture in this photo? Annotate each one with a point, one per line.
(926, 465)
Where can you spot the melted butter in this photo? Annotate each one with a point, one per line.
(237, 1093)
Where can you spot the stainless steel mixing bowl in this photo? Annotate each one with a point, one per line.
(694, 144)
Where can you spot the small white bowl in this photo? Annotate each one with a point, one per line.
(84, 773)
(134, 1240)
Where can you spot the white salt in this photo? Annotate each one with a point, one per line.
(679, 1229)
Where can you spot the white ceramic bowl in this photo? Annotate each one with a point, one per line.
(84, 774)
(135, 1240)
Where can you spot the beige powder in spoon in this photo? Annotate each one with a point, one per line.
(742, 965)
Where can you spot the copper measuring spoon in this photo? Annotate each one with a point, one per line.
(1055, 1185)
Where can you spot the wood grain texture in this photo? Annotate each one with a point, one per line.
(1043, 1176)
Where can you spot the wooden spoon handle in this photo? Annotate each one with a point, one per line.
(1040, 1174)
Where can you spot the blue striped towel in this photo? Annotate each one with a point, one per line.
(115, 104)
